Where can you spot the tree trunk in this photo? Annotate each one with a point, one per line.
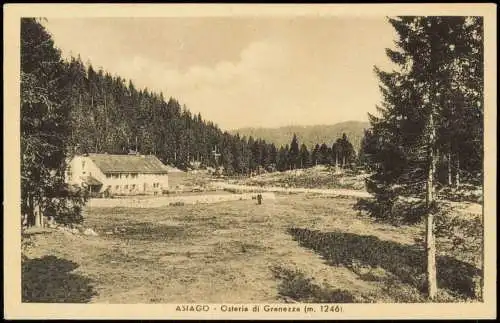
(431, 257)
(38, 215)
(30, 216)
(429, 241)
(449, 170)
(457, 171)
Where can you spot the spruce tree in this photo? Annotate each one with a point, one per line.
(304, 157)
(45, 128)
(418, 119)
(294, 153)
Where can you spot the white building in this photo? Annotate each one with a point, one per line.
(118, 174)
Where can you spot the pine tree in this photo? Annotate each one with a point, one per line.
(368, 149)
(294, 153)
(422, 113)
(282, 160)
(324, 155)
(304, 157)
(315, 158)
(45, 127)
(273, 156)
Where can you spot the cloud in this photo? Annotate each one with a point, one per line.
(306, 73)
(231, 93)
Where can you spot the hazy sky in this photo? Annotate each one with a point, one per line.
(241, 72)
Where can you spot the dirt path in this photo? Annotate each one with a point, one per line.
(466, 207)
(332, 192)
(155, 202)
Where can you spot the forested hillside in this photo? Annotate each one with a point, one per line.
(105, 113)
(102, 113)
(309, 135)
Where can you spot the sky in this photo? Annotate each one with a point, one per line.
(245, 71)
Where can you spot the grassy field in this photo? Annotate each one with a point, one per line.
(314, 177)
(296, 248)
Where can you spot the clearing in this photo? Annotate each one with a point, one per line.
(294, 248)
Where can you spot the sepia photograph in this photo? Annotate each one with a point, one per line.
(258, 162)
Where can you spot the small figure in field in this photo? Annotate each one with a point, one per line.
(259, 198)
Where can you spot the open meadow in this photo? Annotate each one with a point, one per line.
(294, 248)
(215, 163)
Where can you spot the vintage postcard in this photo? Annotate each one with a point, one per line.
(211, 161)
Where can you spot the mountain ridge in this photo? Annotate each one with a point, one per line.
(308, 134)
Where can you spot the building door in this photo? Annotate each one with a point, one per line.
(144, 187)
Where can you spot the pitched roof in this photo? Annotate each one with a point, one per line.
(91, 180)
(128, 163)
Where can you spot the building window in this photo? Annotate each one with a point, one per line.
(126, 187)
(108, 176)
(117, 187)
(116, 176)
(83, 164)
(133, 175)
(133, 186)
(126, 175)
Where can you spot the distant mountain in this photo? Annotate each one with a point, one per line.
(310, 135)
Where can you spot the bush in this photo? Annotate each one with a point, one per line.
(385, 198)
(176, 204)
(295, 285)
(65, 207)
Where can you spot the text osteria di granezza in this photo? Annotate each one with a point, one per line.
(278, 308)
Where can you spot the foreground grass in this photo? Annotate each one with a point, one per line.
(297, 248)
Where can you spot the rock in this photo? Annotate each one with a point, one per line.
(108, 232)
(89, 232)
(74, 231)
